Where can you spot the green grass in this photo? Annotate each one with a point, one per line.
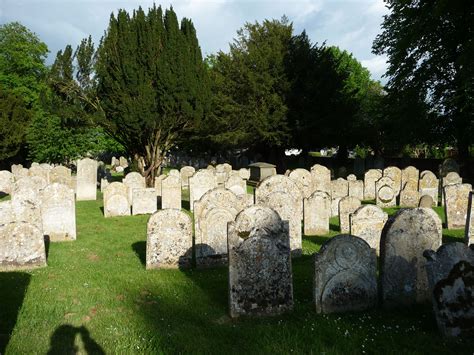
(96, 294)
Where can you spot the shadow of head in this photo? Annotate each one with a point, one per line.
(63, 341)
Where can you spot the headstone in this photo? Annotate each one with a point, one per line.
(114, 162)
(347, 205)
(303, 179)
(123, 162)
(6, 212)
(144, 200)
(260, 277)
(317, 211)
(212, 212)
(356, 189)
(186, 172)
(158, 182)
(395, 174)
(237, 185)
(221, 174)
(6, 182)
(171, 192)
(409, 197)
(429, 185)
(469, 232)
(15, 168)
(40, 182)
(169, 240)
(244, 173)
(61, 175)
(86, 180)
(426, 201)
(370, 178)
(385, 196)
(21, 172)
(452, 178)
(405, 237)
(451, 278)
(367, 222)
(282, 195)
(351, 177)
(200, 183)
(448, 165)
(116, 202)
(21, 246)
(410, 174)
(103, 184)
(58, 211)
(345, 275)
(456, 199)
(321, 178)
(260, 171)
(133, 181)
(37, 170)
(339, 189)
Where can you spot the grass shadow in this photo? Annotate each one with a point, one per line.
(14, 286)
(140, 249)
(47, 242)
(64, 338)
(102, 210)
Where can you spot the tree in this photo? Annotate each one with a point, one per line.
(152, 84)
(430, 49)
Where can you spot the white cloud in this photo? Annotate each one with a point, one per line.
(377, 65)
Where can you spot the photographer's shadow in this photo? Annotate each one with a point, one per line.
(64, 337)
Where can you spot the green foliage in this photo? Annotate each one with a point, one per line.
(430, 49)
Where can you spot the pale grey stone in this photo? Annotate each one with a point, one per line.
(103, 184)
(303, 179)
(40, 182)
(412, 175)
(6, 182)
(426, 201)
(186, 172)
(370, 178)
(58, 212)
(429, 185)
(200, 183)
(367, 222)
(452, 178)
(260, 277)
(469, 232)
(456, 199)
(61, 175)
(409, 197)
(133, 181)
(385, 196)
(395, 174)
(116, 202)
(339, 189)
(237, 185)
(351, 177)
(244, 173)
(321, 178)
(86, 180)
(158, 182)
(169, 240)
(144, 200)
(345, 275)
(347, 205)
(405, 237)
(21, 172)
(356, 189)
(317, 211)
(37, 170)
(123, 162)
(171, 192)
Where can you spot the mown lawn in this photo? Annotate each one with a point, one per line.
(96, 296)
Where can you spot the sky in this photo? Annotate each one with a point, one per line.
(350, 24)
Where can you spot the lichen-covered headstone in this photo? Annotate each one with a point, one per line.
(405, 237)
(282, 194)
(452, 286)
(169, 240)
(409, 197)
(347, 205)
(171, 192)
(186, 172)
(116, 201)
(456, 198)
(133, 181)
(317, 211)
(395, 174)
(21, 246)
(244, 173)
(385, 196)
(429, 185)
(144, 200)
(410, 174)
(356, 189)
(61, 175)
(469, 232)
(260, 277)
(321, 177)
(201, 182)
(6, 182)
(58, 211)
(370, 178)
(303, 179)
(158, 182)
(345, 275)
(86, 180)
(426, 201)
(237, 185)
(339, 189)
(367, 222)
(36, 170)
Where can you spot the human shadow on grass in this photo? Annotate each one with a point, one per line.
(13, 290)
(64, 337)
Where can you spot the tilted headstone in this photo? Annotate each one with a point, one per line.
(86, 180)
(116, 202)
(345, 275)
(339, 189)
(6, 182)
(347, 205)
(385, 196)
(395, 174)
(200, 183)
(58, 212)
(282, 194)
(133, 180)
(405, 237)
(429, 185)
(367, 222)
(260, 277)
(321, 178)
(456, 199)
(171, 192)
(61, 175)
(212, 213)
(169, 240)
(356, 189)
(370, 178)
(21, 246)
(469, 232)
(186, 172)
(303, 179)
(144, 200)
(317, 211)
(451, 279)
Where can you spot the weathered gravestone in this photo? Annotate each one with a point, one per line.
(321, 177)
(283, 195)
(370, 178)
(58, 211)
(21, 246)
(123, 162)
(144, 200)
(86, 180)
(133, 181)
(429, 185)
(356, 189)
(200, 183)
(15, 168)
(339, 189)
(37, 170)
(451, 178)
(116, 201)
(409, 196)
(395, 174)
(303, 179)
(171, 192)
(61, 175)
(448, 165)
(385, 195)
(469, 232)
(317, 211)
(169, 240)
(451, 279)
(214, 210)
(426, 201)
(345, 275)
(405, 237)
(410, 174)
(103, 184)
(20, 172)
(186, 172)
(347, 205)
(6, 182)
(260, 277)
(237, 185)
(39, 182)
(221, 174)
(456, 199)
(351, 177)
(260, 171)
(367, 223)
(244, 173)
(158, 182)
